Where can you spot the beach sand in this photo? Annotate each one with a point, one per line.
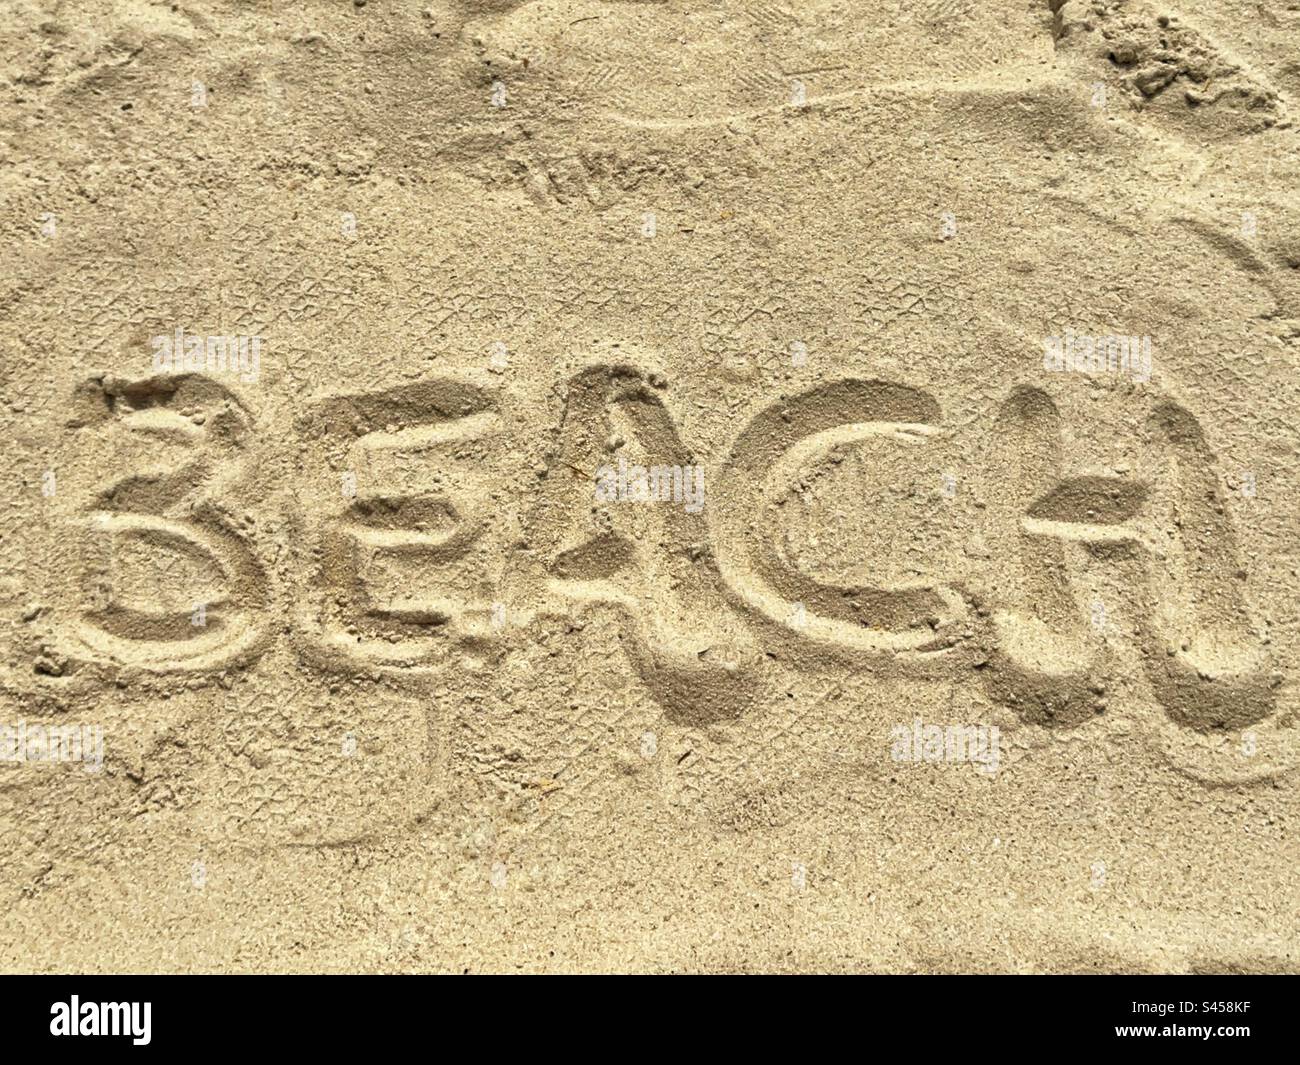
(650, 486)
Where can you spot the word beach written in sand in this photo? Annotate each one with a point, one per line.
(421, 560)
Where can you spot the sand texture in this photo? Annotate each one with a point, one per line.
(698, 486)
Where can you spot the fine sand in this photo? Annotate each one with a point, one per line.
(662, 486)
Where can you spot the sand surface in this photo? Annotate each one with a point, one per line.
(656, 486)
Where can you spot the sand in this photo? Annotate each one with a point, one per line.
(633, 486)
